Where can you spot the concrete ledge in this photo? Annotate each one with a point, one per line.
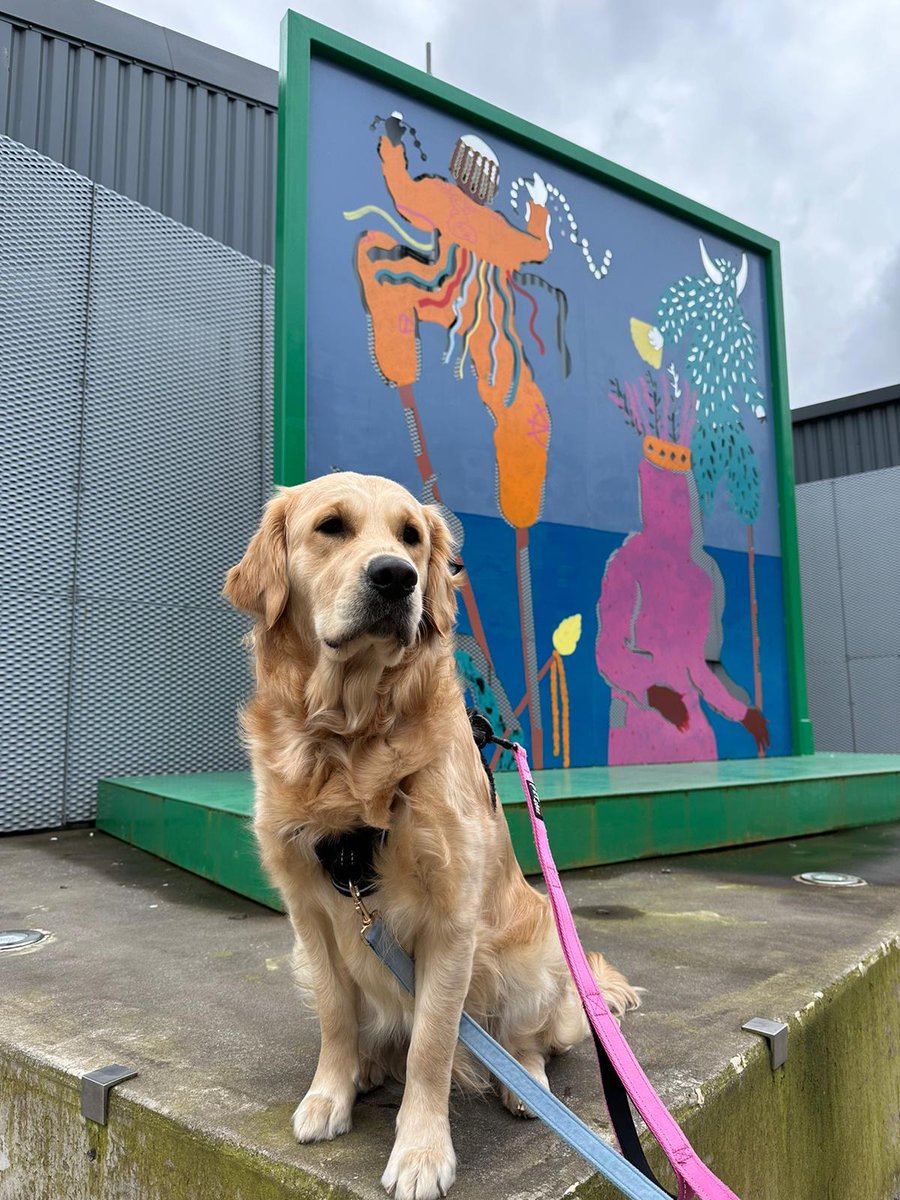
(189, 984)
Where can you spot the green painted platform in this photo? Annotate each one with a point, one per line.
(594, 815)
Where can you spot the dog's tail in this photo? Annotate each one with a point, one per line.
(570, 1025)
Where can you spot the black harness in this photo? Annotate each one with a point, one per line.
(349, 858)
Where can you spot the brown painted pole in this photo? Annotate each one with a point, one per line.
(427, 473)
(526, 624)
(754, 627)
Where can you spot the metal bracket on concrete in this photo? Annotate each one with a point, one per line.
(95, 1089)
(776, 1034)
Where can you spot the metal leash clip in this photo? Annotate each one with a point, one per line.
(365, 916)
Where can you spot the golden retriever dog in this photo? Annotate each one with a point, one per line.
(358, 720)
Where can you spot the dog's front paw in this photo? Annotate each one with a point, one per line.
(320, 1117)
(417, 1172)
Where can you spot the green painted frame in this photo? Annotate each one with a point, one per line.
(301, 41)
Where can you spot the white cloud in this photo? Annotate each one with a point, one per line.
(778, 112)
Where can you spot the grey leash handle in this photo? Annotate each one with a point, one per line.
(628, 1179)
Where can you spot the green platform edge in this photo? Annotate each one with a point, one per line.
(594, 815)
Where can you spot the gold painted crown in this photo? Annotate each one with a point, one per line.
(671, 456)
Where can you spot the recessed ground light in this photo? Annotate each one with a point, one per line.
(15, 939)
(830, 879)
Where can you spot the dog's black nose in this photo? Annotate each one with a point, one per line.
(393, 577)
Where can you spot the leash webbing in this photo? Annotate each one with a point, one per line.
(623, 1079)
(627, 1178)
(694, 1177)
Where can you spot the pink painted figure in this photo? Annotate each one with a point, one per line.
(657, 612)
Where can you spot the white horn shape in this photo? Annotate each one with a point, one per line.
(740, 281)
(710, 267)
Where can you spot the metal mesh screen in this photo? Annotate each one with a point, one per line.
(875, 686)
(850, 567)
(868, 516)
(268, 408)
(823, 618)
(136, 368)
(44, 247)
(155, 691)
(172, 424)
(823, 611)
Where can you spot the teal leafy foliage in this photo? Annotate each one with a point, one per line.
(721, 362)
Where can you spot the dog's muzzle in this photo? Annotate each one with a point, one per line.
(384, 608)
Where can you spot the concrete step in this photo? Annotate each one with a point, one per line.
(597, 814)
(190, 985)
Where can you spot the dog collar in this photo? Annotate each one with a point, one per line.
(349, 858)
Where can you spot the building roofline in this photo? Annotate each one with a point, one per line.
(846, 404)
(90, 23)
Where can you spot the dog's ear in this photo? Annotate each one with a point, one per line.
(259, 582)
(439, 610)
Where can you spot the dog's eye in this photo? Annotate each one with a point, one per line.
(411, 535)
(332, 527)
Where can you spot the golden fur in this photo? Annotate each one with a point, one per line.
(351, 728)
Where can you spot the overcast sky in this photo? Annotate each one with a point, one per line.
(781, 113)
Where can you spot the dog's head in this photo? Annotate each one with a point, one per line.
(354, 563)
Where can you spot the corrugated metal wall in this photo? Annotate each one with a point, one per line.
(136, 374)
(848, 436)
(126, 117)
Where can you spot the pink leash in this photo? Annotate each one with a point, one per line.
(694, 1177)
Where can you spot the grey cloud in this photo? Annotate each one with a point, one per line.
(776, 112)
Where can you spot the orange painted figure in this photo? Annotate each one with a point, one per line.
(463, 281)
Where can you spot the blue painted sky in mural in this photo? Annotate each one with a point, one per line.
(593, 455)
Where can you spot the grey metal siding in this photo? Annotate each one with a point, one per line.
(188, 148)
(847, 437)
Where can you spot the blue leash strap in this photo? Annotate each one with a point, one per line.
(628, 1179)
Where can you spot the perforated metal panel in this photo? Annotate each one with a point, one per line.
(850, 568)
(44, 245)
(875, 688)
(828, 684)
(172, 425)
(45, 215)
(135, 372)
(268, 303)
(171, 478)
(868, 515)
(34, 678)
(823, 615)
(823, 618)
(155, 690)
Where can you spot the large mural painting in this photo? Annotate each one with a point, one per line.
(580, 382)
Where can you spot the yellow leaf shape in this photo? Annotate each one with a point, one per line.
(567, 634)
(640, 335)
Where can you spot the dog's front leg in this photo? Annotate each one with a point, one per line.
(422, 1165)
(326, 1109)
